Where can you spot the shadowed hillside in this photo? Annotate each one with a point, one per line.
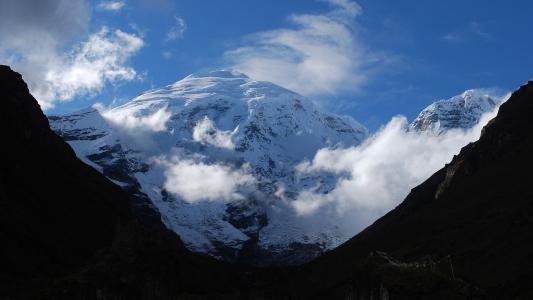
(67, 232)
(464, 233)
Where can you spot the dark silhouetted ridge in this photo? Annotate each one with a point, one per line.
(66, 232)
(465, 233)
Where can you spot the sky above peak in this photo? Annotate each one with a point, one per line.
(367, 59)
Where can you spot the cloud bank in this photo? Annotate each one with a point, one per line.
(377, 175)
(320, 54)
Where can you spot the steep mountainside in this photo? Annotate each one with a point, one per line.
(67, 231)
(256, 132)
(462, 111)
(466, 231)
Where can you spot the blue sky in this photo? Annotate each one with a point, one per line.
(402, 55)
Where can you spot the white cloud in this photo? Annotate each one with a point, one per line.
(205, 132)
(378, 175)
(125, 120)
(320, 54)
(194, 180)
(111, 5)
(176, 32)
(89, 66)
(54, 74)
(139, 131)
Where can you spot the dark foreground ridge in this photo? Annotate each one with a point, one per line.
(467, 231)
(67, 232)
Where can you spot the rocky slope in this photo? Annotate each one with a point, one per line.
(462, 234)
(462, 111)
(253, 133)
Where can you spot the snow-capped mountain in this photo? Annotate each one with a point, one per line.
(215, 154)
(462, 111)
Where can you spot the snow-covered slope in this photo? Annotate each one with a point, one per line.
(462, 111)
(215, 154)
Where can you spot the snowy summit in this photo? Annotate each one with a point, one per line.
(241, 138)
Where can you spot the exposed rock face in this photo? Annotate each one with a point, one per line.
(460, 112)
(67, 232)
(227, 119)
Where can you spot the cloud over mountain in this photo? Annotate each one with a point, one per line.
(378, 174)
(317, 54)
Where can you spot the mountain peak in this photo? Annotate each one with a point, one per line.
(462, 111)
(210, 86)
(476, 95)
(222, 73)
(223, 121)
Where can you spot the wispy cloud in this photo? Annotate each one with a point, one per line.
(318, 54)
(111, 5)
(347, 7)
(177, 31)
(472, 31)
